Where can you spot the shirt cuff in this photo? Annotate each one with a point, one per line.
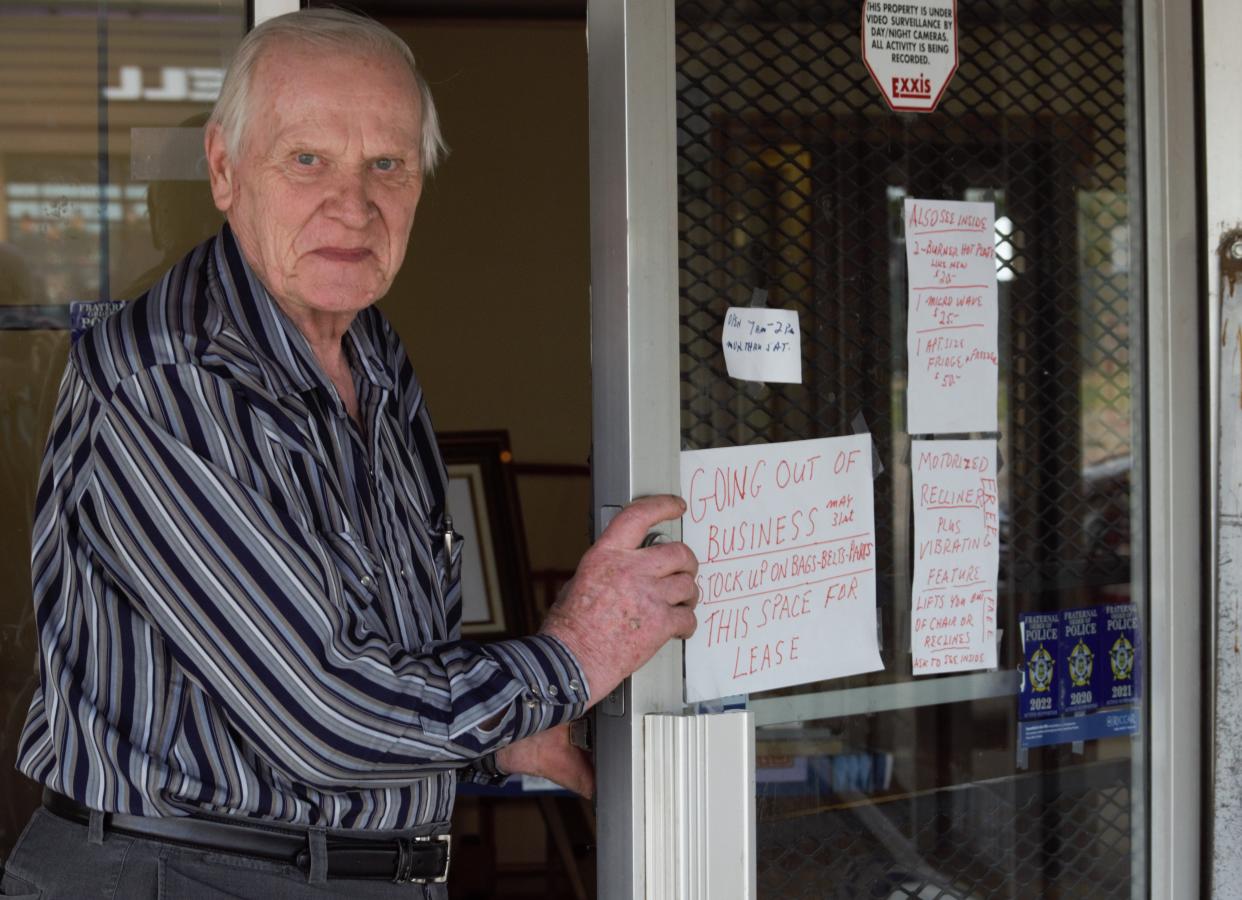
(483, 771)
(555, 689)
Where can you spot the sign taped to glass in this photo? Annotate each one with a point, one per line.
(785, 537)
(910, 49)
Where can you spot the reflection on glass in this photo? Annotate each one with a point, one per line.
(91, 208)
(792, 173)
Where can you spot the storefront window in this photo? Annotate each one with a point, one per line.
(101, 185)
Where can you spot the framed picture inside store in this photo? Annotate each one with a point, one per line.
(483, 502)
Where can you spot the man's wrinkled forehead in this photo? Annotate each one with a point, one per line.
(280, 70)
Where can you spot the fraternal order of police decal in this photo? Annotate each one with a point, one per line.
(1039, 696)
(1076, 661)
(1079, 660)
(1121, 638)
(1080, 638)
(86, 314)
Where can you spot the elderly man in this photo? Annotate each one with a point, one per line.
(252, 683)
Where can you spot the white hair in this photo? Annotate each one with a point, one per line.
(324, 29)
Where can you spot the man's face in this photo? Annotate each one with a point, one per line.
(323, 192)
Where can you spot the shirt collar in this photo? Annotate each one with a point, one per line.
(283, 349)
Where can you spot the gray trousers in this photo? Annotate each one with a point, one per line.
(55, 859)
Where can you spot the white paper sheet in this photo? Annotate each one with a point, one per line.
(952, 326)
(763, 344)
(956, 556)
(785, 536)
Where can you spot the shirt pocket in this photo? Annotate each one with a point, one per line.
(445, 547)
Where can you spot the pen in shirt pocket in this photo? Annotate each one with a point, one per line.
(449, 536)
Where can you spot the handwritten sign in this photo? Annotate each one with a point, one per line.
(952, 326)
(763, 345)
(956, 556)
(785, 536)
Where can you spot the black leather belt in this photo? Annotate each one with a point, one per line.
(419, 860)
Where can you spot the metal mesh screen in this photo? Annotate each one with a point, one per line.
(1057, 838)
(792, 172)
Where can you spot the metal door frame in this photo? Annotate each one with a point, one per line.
(1171, 423)
(634, 363)
(636, 433)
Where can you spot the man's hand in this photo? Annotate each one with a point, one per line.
(549, 754)
(624, 602)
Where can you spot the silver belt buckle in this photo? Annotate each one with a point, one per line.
(402, 864)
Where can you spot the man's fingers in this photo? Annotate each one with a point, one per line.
(631, 525)
(680, 590)
(671, 558)
(585, 777)
(684, 622)
(570, 767)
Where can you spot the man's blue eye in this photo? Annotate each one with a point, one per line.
(385, 164)
(306, 159)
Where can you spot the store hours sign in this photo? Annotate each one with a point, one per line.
(910, 49)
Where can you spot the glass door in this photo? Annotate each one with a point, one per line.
(101, 186)
(792, 171)
(792, 175)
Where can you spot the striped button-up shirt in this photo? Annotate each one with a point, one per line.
(244, 600)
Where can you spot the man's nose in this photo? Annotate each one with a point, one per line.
(351, 200)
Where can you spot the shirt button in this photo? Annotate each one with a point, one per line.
(575, 685)
(368, 582)
(553, 690)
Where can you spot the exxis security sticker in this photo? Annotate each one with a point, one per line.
(1039, 694)
(1120, 640)
(1081, 661)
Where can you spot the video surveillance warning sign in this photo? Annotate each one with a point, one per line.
(910, 49)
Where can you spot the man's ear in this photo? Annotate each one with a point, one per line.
(219, 168)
